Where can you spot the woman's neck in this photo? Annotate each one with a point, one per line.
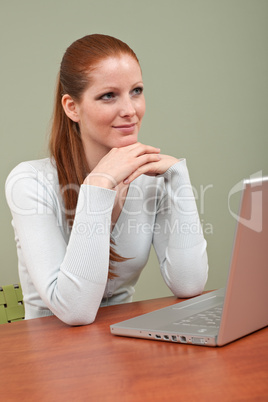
(94, 154)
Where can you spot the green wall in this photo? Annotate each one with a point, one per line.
(205, 71)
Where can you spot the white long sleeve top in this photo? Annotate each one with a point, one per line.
(65, 272)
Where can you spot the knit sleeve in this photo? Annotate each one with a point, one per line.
(178, 236)
(70, 276)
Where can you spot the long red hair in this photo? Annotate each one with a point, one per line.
(65, 144)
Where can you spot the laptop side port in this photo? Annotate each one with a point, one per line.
(174, 338)
(166, 337)
(158, 336)
(198, 341)
(183, 339)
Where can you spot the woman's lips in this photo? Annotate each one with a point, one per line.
(126, 128)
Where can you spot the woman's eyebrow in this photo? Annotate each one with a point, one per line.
(110, 88)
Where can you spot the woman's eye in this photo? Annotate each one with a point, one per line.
(137, 91)
(108, 96)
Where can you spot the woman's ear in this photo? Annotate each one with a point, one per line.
(70, 107)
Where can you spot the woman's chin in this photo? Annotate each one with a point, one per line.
(127, 140)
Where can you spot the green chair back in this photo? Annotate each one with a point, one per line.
(11, 304)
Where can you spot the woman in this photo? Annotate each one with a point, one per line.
(86, 217)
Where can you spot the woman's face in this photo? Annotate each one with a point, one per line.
(111, 109)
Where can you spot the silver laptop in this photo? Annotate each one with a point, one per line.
(224, 315)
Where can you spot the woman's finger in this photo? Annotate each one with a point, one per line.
(153, 167)
(150, 168)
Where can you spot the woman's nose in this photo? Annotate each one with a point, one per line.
(127, 108)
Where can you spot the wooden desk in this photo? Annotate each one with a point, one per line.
(46, 360)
